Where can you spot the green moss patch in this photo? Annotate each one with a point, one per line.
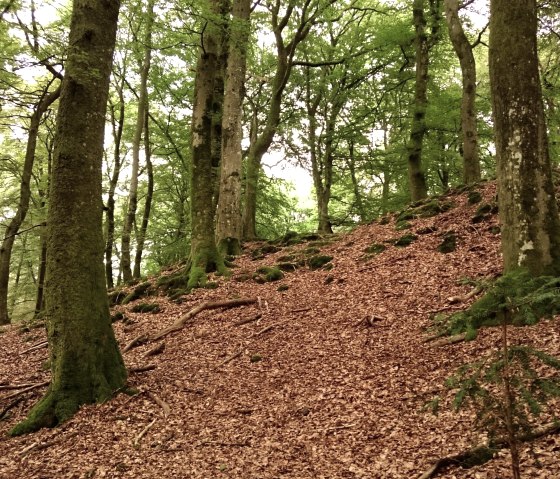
(375, 248)
(143, 289)
(405, 240)
(318, 261)
(449, 243)
(427, 230)
(146, 308)
(267, 274)
(474, 197)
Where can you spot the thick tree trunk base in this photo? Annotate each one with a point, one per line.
(58, 406)
(206, 260)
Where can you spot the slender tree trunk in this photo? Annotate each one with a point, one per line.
(228, 224)
(136, 144)
(463, 49)
(204, 255)
(141, 236)
(285, 57)
(416, 178)
(359, 202)
(24, 196)
(86, 363)
(528, 210)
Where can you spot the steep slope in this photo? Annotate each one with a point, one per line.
(331, 381)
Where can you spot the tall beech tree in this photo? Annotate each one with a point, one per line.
(228, 223)
(291, 24)
(86, 363)
(204, 255)
(130, 216)
(528, 210)
(423, 43)
(464, 51)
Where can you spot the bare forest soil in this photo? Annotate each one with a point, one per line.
(331, 382)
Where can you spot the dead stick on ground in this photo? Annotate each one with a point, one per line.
(155, 350)
(40, 345)
(180, 323)
(466, 297)
(445, 340)
(141, 369)
(30, 388)
(5, 387)
(44, 445)
(268, 328)
(161, 403)
(500, 443)
(229, 359)
(250, 319)
(14, 403)
(138, 438)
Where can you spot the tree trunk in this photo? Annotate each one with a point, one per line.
(228, 224)
(136, 144)
(86, 363)
(463, 49)
(141, 235)
(24, 196)
(285, 56)
(416, 178)
(528, 211)
(204, 256)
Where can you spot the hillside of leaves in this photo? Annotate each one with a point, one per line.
(325, 373)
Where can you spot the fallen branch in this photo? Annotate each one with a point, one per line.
(339, 428)
(477, 454)
(224, 444)
(5, 387)
(229, 359)
(466, 297)
(27, 389)
(137, 341)
(250, 319)
(141, 369)
(14, 403)
(368, 321)
(443, 341)
(39, 345)
(161, 403)
(144, 431)
(268, 328)
(44, 445)
(155, 350)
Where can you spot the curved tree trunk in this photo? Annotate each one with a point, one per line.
(130, 216)
(528, 210)
(228, 224)
(461, 45)
(86, 363)
(24, 196)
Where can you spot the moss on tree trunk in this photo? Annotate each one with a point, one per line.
(86, 363)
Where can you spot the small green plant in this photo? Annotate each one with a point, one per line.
(507, 392)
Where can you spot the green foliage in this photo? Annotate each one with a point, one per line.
(517, 295)
(482, 385)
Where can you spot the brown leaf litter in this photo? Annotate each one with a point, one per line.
(328, 378)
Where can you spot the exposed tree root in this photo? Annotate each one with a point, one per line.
(37, 446)
(466, 297)
(484, 453)
(28, 388)
(250, 319)
(40, 345)
(180, 323)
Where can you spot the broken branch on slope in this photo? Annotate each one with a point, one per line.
(180, 323)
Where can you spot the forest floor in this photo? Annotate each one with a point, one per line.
(332, 380)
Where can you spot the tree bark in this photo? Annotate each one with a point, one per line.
(130, 216)
(463, 49)
(24, 196)
(86, 363)
(228, 224)
(141, 234)
(204, 256)
(528, 210)
(118, 126)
